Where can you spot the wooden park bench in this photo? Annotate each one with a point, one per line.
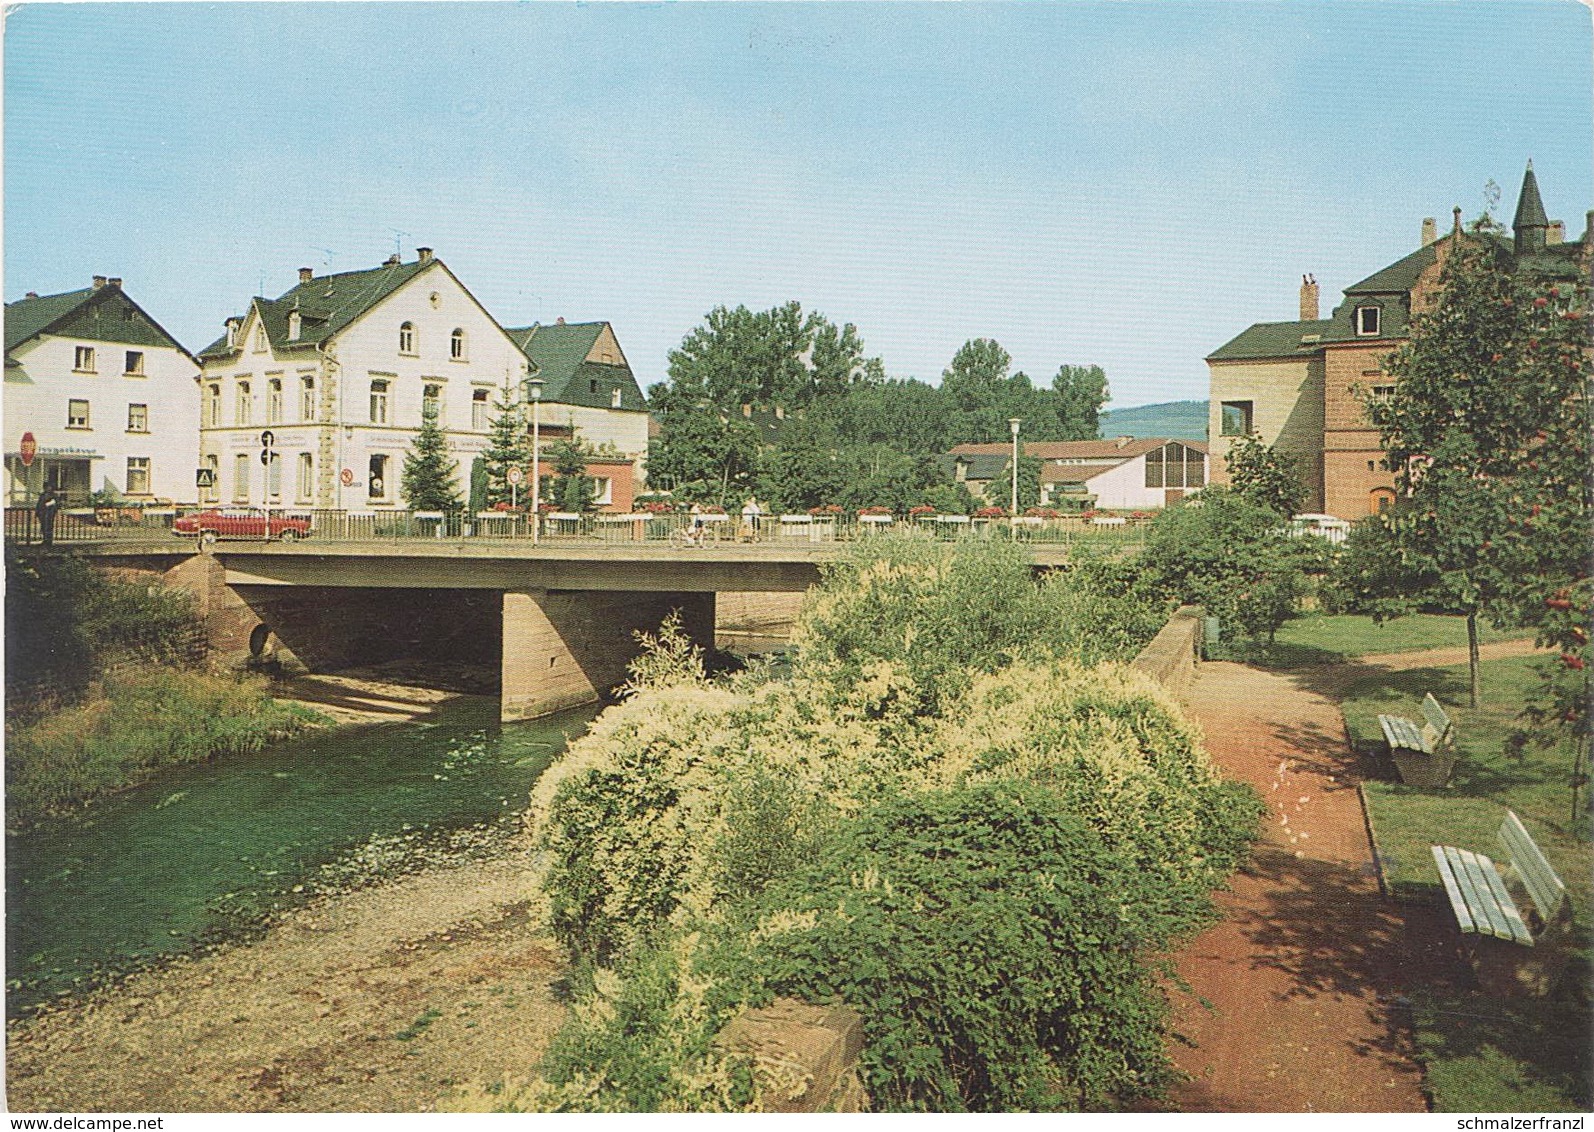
(1497, 926)
(1424, 755)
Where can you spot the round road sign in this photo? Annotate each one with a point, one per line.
(346, 477)
(29, 448)
(514, 476)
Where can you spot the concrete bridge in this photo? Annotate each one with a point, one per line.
(557, 619)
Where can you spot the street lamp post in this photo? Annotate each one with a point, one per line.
(534, 389)
(1013, 423)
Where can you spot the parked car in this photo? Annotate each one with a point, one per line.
(208, 526)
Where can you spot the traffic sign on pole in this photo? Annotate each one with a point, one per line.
(28, 449)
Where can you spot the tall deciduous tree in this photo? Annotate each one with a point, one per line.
(428, 480)
(1078, 394)
(1487, 432)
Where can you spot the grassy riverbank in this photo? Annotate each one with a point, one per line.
(128, 726)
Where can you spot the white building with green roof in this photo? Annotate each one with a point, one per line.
(98, 398)
(340, 369)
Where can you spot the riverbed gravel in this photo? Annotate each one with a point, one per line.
(376, 997)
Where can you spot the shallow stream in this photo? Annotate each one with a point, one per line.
(206, 851)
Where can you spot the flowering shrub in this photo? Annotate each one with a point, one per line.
(1140, 514)
(1041, 513)
(921, 511)
(825, 509)
(711, 509)
(658, 507)
(991, 513)
(833, 836)
(1088, 513)
(504, 505)
(874, 510)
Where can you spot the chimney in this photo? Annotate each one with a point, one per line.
(1430, 230)
(1122, 441)
(1309, 298)
(31, 295)
(560, 321)
(232, 331)
(99, 281)
(391, 261)
(114, 283)
(425, 254)
(305, 275)
(1555, 234)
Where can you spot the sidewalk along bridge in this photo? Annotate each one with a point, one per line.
(557, 617)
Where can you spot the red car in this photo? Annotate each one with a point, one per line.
(209, 526)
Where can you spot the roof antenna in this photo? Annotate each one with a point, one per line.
(398, 241)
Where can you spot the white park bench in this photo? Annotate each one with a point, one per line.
(1489, 904)
(1423, 753)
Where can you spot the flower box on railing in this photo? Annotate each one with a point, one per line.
(876, 521)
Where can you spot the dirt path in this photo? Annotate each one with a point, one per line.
(375, 1001)
(1304, 969)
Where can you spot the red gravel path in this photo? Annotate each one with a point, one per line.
(1303, 971)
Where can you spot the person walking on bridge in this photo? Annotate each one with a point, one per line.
(49, 503)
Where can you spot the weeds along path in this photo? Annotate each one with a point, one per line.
(1303, 971)
(372, 1001)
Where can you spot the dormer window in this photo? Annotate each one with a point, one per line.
(614, 398)
(407, 338)
(232, 333)
(1367, 319)
(456, 345)
(260, 339)
(293, 325)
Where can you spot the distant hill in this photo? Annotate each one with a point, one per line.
(1177, 420)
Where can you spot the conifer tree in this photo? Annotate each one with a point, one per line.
(429, 473)
(507, 447)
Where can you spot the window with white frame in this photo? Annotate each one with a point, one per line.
(212, 464)
(260, 339)
(274, 401)
(480, 411)
(77, 413)
(407, 338)
(137, 475)
(614, 398)
(307, 399)
(83, 359)
(213, 406)
(456, 345)
(135, 363)
(306, 485)
(1367, 321)
(432, 402)
(138, 418)
(244, 409)
(240, 478)
(602, 491)
(379, 390)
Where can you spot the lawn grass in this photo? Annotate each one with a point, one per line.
(1322, 638)
(1481, 1053)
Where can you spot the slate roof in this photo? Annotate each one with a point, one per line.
(27, 318)
(1272, 340)
(326, 304)
(1073, 473)
(1530, 206)
(560, 354)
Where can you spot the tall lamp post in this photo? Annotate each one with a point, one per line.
(534, 395)
(1013, 423)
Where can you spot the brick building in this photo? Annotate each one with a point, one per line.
(1303, 385)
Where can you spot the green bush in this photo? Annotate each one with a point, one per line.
(982, 933)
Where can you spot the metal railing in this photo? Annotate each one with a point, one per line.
(243, 524)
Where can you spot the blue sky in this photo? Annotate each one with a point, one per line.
(1121, 184)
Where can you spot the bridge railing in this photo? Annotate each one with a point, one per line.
(663, 529)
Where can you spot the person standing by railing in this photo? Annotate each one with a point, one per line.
(45, 510)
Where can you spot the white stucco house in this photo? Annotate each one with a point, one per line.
(339, 368)
(105, 396)
(1123, 473)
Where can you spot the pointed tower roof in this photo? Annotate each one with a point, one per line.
(1531, 222)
